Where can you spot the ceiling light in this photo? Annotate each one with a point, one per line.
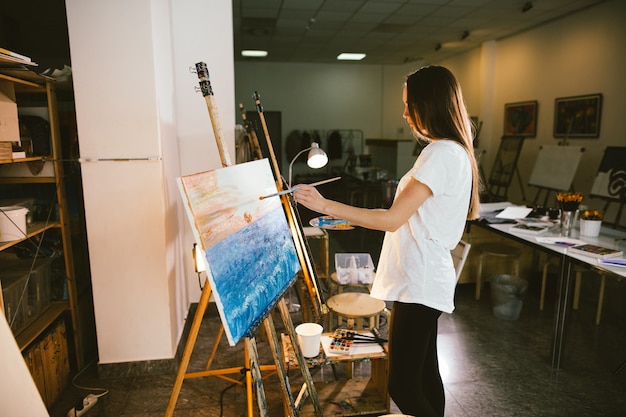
(253, 53)
(348, 56)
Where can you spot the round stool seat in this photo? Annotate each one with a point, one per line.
(355, 304)
(396, 415)
(498, 250)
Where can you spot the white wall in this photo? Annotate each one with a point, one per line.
(135, 99)
(577, 55)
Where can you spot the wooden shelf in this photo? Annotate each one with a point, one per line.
(29, 159)
(41, 323)
(32, 230)
(26, 86)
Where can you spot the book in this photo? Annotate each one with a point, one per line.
(613, 262)
(529, 229)
(595, 251)
(14, 54)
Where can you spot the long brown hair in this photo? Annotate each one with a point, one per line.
(437, 109)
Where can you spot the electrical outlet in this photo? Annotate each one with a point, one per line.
(88, 402)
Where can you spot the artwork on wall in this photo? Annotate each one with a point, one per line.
(578, 117)
(249, 250)
(610, 181)
(520, 119)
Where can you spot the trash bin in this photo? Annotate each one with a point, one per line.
(507, 292)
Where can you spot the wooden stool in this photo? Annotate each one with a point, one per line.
(577, 284)
(320, 235)
(355, 306)
(335, 287)
(497, 250)
(396, 415)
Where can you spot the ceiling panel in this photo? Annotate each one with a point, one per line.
(389, 31)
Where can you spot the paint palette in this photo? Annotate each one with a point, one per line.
(339, 342)
(330, 223)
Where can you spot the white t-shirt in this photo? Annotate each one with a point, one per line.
(415, 264)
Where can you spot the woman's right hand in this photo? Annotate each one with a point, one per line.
(310, 198)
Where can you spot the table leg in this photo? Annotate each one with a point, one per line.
(563, 296)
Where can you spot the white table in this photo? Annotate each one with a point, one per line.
(610, 238)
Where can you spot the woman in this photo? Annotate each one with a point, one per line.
(426, 220)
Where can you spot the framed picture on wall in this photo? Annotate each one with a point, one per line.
(520, 119)
(578, 117)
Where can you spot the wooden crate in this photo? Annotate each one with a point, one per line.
(48, 362)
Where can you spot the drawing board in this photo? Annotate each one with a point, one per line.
(555, 167)
(249, 250)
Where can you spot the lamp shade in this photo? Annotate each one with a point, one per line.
(317, 157)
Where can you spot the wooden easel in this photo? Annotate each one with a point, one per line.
(253, 370)
(505, 167)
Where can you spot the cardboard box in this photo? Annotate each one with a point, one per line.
(6, 150)
(9, 123)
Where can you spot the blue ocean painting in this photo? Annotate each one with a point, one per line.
(247, 242)
(252, 269)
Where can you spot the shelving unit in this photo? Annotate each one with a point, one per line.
(49, 325)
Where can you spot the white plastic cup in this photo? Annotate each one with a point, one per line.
(309, 338)
(590, 228)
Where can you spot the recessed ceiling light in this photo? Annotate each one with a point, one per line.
(348, 56)
(253, 53)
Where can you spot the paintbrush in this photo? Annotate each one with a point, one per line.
(293, 190)
(362, 337)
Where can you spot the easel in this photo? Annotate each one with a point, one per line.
(609, 184)
(554, 169)
(505, 166)
(253, 370)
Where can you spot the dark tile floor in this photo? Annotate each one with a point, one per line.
(491, 367)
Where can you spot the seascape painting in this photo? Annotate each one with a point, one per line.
(249, 250)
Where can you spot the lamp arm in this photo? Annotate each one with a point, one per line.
(294, 160)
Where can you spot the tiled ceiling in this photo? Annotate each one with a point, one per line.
(389, 31)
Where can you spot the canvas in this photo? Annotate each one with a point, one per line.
(249, 250)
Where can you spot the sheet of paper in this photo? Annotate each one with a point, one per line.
(491, 207)
(561, 241)
(514, 212)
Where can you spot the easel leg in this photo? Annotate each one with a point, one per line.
(189, 345)
(291, 331)
(253, 376)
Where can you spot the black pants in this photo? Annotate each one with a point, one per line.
(414, 381)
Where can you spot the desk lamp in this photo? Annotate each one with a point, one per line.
(317, 158)
(198, 261)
